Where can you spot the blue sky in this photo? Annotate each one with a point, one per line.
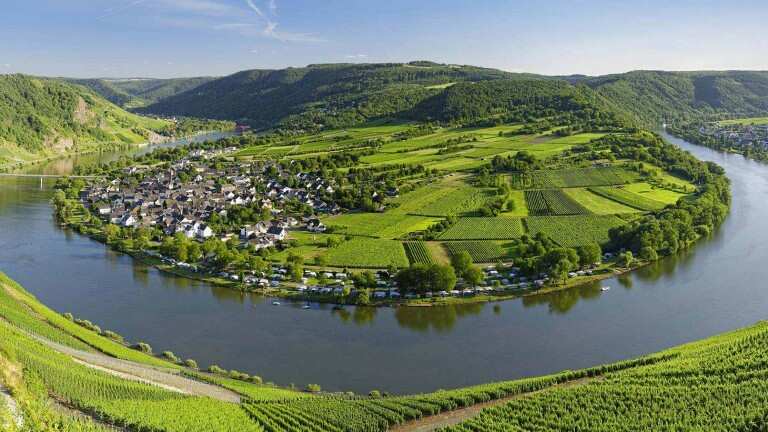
(167, 38)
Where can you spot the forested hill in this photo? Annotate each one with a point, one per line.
(335, 95)
(46, 117)
(325, 95)
(138, 92)
(656, 96)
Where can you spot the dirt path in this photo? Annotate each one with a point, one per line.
(164, 378)
(10, 404)
(450, 418)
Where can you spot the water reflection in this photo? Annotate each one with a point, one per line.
(560, 302)
(440, 319)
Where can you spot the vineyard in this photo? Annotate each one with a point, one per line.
(480, 251)
(382, 225)
(573, 177)
(485, 228)
(361, 252)
(418, 252)
(444, 199)
(628, 198)
(572, 231)
(716, 385)
(552, 202)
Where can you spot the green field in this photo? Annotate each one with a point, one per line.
(480, 251)
(628, 198)
(367, 253)
(516, 206)
(387, 225)
(447, 197)
(646, 190)
(552, 202)
(597, 204)
(485, 228)
(573, 177)
(572, 231)
(418, 252)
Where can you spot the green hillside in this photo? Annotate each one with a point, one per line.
(655, 96)
(44, 117)
(339, 95)
(327, 95)
(133, 93)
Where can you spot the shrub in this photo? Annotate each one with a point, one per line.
(216, 370)
(143, 347)
(313, 388)
(170, 356)
(190, 364)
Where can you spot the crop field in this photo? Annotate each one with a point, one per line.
(485, 228)
(388, 225)
(448, 197)
(516, 206)
(480, 251)
(623, 196)
(597, 204)
(552, 202)
(418, 252)
(572, 231)
(576, 177)
(649, 191)
(367, 253)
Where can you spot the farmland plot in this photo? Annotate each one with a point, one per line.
(485, 228)
(367, 253)
(480, 251)
(571, 231)
(552, 202)
(573, 177)
(387, 225)
(628, 198)
(418, 252)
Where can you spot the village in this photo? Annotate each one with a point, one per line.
(189, 195)
(738, 135)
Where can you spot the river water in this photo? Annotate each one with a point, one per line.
(715, 287)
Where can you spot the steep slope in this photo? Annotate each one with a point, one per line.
(321, 95)
(44, 117)
(132, 93)
(655, 96)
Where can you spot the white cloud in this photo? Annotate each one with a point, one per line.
(356, 56)
(270, 25)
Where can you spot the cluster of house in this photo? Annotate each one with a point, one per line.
(184, 196)
(739, 135)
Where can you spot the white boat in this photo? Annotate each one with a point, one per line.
(275, 303)
(605, 288)
(306, 307)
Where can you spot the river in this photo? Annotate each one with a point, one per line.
(715, 287)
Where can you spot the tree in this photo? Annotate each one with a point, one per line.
(649, 254)
(589, 254)
(626, 259)
(112, 232)
(461, 262)
(473, 275)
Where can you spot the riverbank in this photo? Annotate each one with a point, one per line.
(290, 291)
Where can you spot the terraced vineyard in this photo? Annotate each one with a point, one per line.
(552, 202)
(628, 198)
(484, 228)
(480, 251)
(418, 252)
(572, 231)
(573, 177)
